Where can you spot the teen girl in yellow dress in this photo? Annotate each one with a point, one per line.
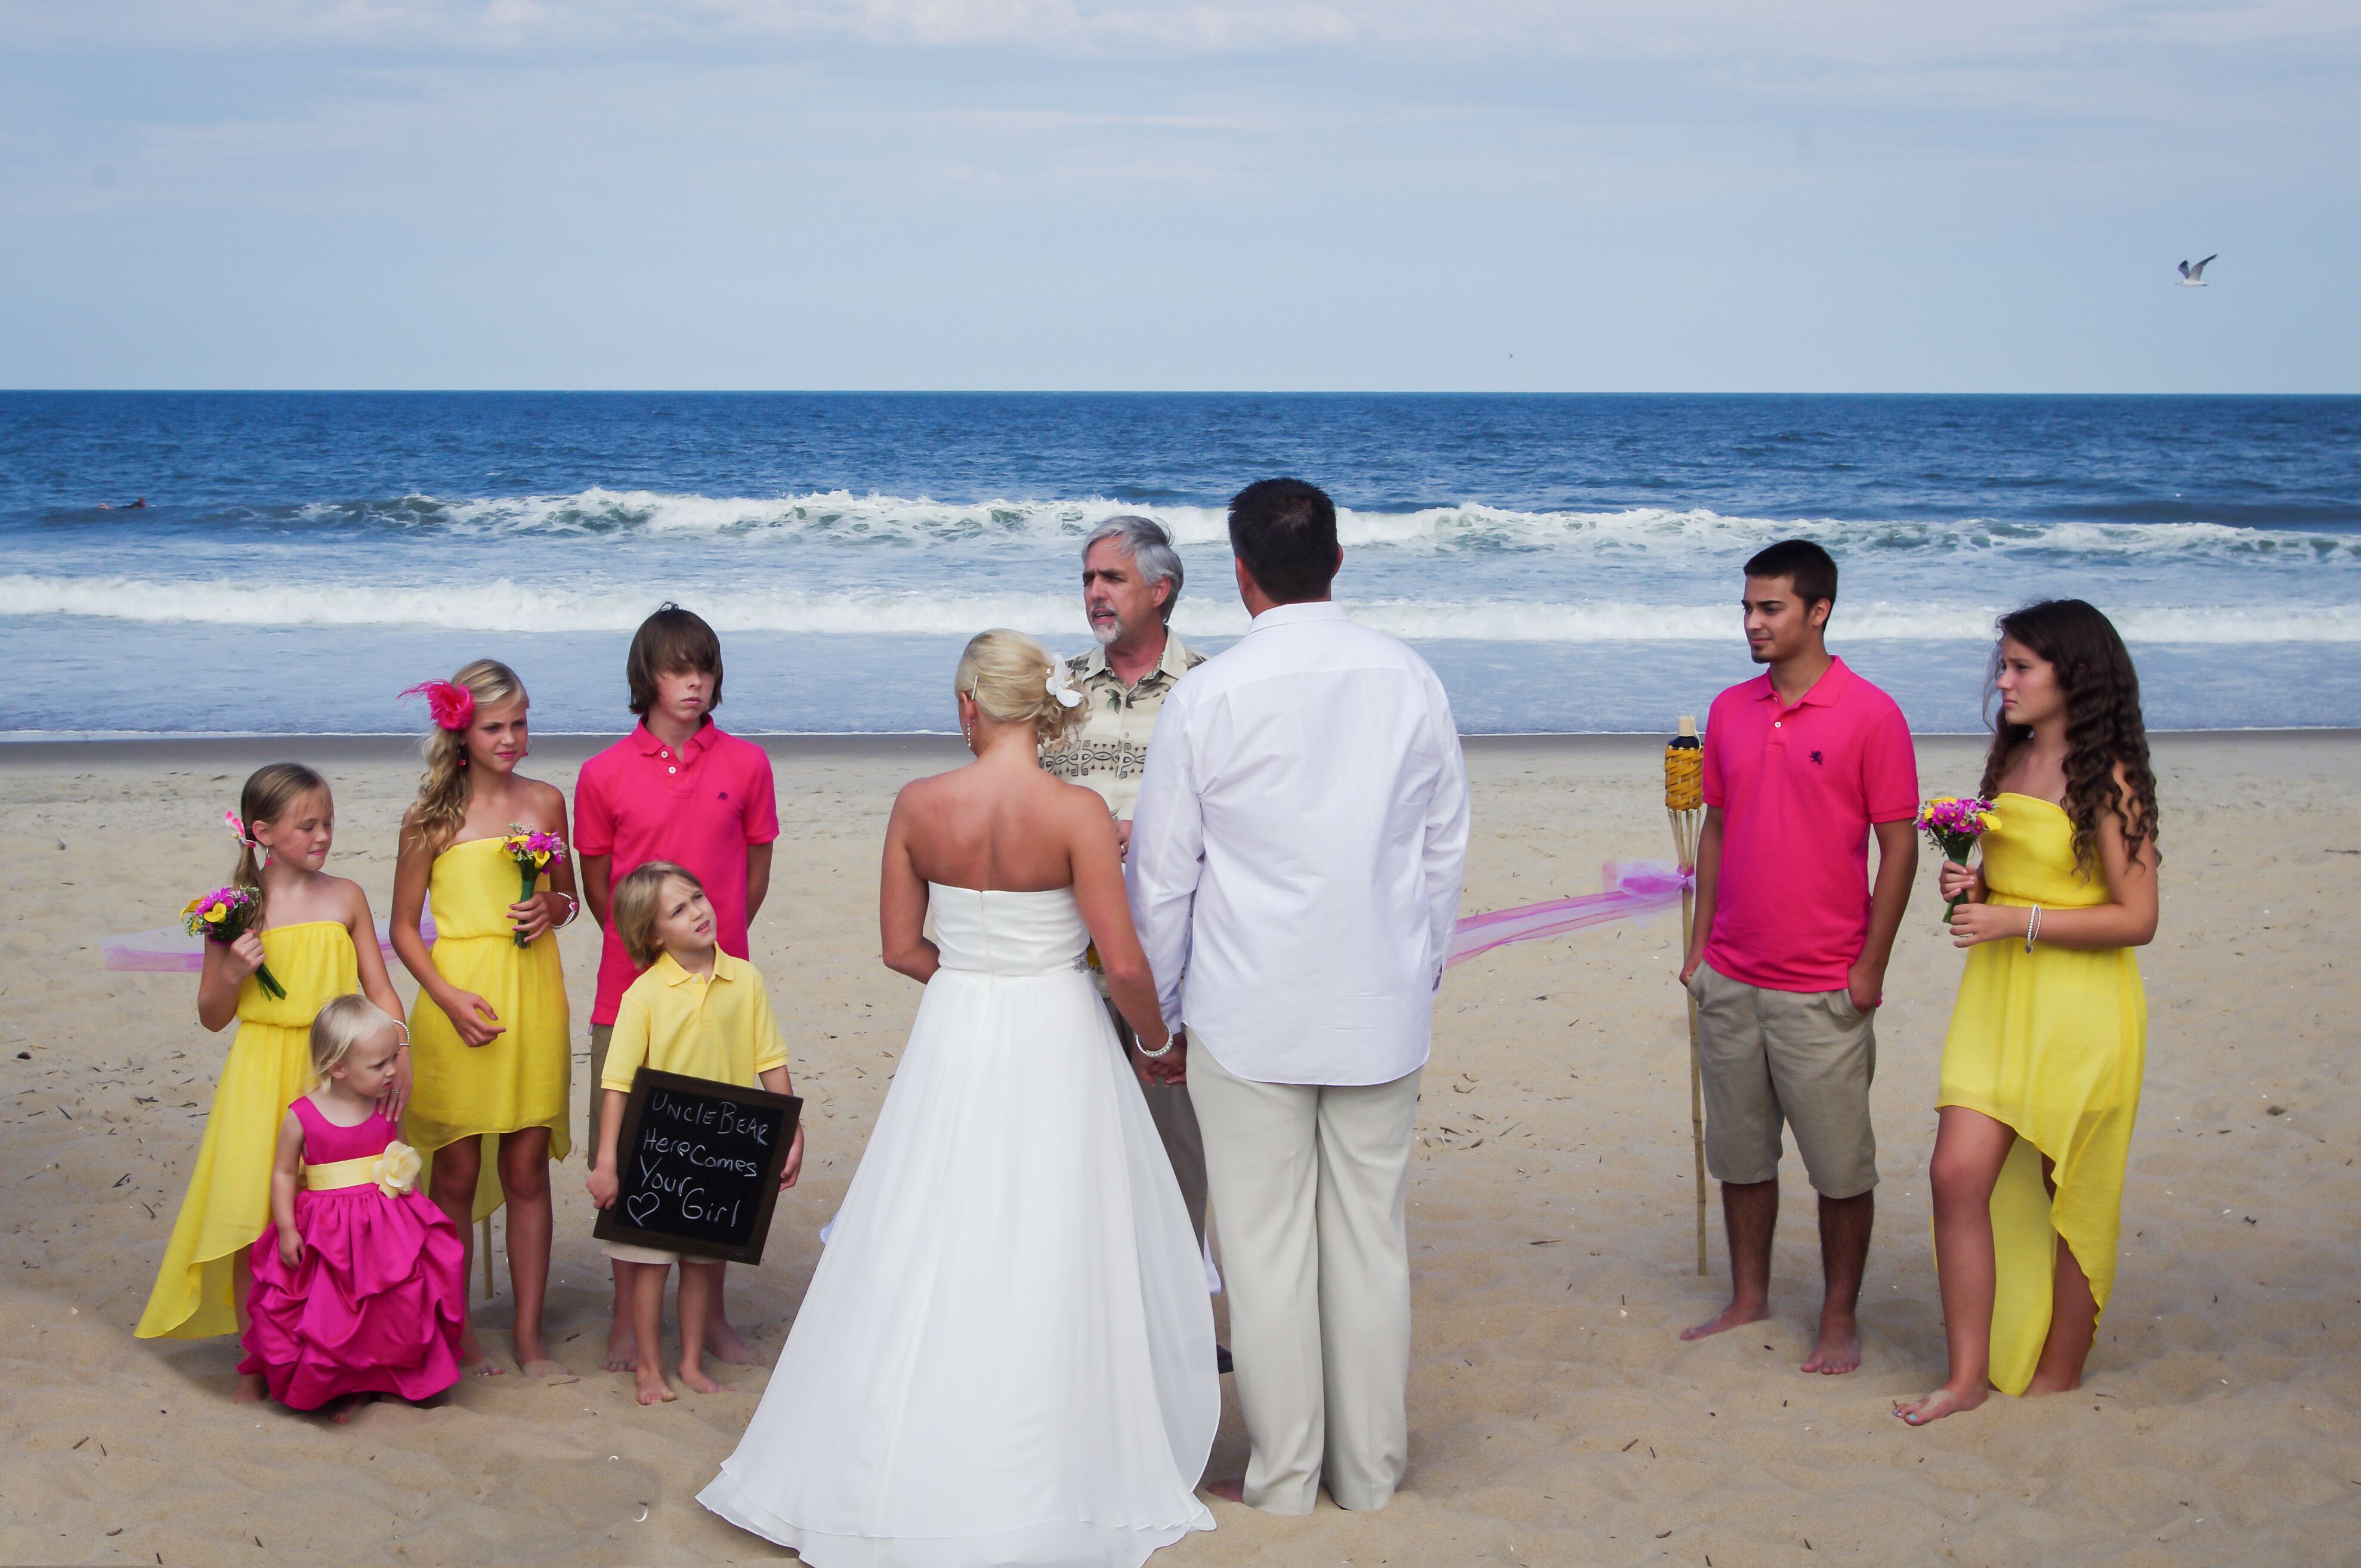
(2041, 1071)
(489, 1029)
(315, 932)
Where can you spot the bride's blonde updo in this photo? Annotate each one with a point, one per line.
(1009, 675)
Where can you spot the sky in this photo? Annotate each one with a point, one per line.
(1518, 195)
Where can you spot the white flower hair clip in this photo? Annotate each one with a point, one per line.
(1060, 685)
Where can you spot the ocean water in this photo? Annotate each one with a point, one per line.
(1567, 564)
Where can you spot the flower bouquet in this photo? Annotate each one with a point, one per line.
(532, 850)
(1953, 823)
(223, 915)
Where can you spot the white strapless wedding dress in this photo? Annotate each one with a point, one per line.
(1006, 1354)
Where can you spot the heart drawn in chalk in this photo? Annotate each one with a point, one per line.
(640, 1205)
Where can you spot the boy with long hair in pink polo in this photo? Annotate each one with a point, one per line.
(1803, 765)
(677, 788)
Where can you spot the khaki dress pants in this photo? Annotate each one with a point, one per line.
(1309, 1185)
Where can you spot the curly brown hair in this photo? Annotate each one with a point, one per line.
(2103, 728)
(442, 794)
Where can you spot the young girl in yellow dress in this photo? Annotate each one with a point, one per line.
(315, 932)
(489, 1029)
(2041, 1071)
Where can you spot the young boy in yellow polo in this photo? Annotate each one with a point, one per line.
(696, 1011)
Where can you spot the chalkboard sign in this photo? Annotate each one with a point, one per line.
(698, 1166)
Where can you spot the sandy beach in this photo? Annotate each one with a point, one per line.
(1555, 1419)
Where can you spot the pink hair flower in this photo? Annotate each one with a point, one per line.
(236, 826)
(452, 706)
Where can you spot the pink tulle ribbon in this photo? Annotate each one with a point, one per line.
(170, 949)
(452, 705)
(1633, 890)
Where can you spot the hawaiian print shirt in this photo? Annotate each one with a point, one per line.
(1111, 754)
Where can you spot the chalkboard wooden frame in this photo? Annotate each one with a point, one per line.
(614, 1225)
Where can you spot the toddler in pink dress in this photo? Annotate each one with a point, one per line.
(359, 1281)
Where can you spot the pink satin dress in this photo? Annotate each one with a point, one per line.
(376, 1302)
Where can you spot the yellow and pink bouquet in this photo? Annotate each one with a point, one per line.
(223, 915)
(532, 850)
(1953, 823)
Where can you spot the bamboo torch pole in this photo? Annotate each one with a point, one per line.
(1685, 806)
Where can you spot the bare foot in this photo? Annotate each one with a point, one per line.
(1730, 1317)
(1943, 1401)
(1228, 1491)
(1839, 1351)
(724, 1344)
(694, 1376)
(653, 1388)
(623, 1348)
(345, 1409)
(251, 1388)
(473, 1361)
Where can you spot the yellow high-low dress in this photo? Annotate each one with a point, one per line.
(269, 1064)
(524, 1077)
(2053, 1043)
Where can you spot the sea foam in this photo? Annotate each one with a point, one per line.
(507, 606)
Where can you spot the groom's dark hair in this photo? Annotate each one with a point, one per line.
(1285, 531)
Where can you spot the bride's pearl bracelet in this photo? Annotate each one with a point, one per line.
(1163, 1050)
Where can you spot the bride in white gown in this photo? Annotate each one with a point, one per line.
(1006, 1354)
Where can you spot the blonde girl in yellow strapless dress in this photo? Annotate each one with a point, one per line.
(489, 1029)
(2041, 1071)
(316, 933)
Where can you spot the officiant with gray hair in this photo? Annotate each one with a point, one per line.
(1131, 579)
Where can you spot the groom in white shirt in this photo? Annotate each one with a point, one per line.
(1295, 863)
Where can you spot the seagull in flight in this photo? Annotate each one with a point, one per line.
(2194, 277)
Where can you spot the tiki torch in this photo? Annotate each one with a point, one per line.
(1685, 806)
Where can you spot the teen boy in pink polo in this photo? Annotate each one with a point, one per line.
(677, 789)
(1801, 766)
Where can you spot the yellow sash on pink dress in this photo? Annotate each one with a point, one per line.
(393, 1172)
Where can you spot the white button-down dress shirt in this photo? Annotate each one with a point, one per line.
(1296, 851)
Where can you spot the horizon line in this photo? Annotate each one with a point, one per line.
(1077, 393)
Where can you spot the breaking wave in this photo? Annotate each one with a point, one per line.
(843, 518)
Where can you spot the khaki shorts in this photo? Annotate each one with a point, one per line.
(1801, 1058)
(624, 1252)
